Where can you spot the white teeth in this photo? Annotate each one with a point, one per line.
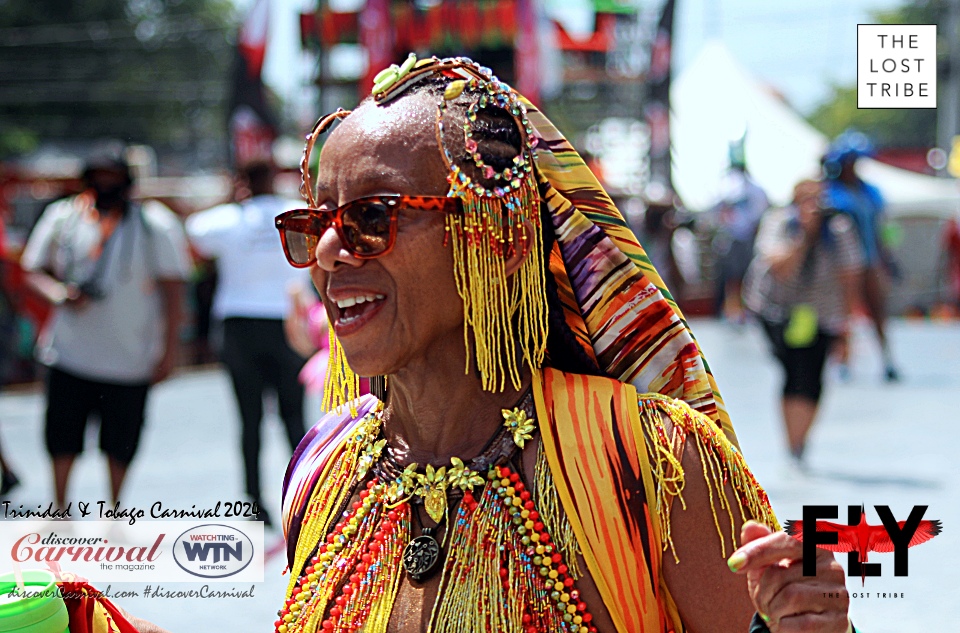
(352, 301)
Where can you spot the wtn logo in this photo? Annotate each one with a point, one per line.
(201, 550)
(859, 538)
(213, 551)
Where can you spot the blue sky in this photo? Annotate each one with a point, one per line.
(799, 47)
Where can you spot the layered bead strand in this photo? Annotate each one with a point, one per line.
(472, 598)
(502, 571)
(556, 582)
(366, 600)
(334, 491)
(336, 558)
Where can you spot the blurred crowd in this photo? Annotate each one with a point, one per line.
(112, 272)
(802, 272)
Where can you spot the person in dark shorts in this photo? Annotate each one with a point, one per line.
(114, 270)
(800, 285)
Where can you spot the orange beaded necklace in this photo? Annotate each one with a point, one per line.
(503, 570)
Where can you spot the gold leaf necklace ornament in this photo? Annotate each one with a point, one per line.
(404, 485)
(504, 566)
(519, 424)
(370, 455)
(434, 487)
(462, 477)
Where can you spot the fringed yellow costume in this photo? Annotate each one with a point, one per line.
(608, 469)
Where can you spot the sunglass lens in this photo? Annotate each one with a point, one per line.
(366, 227)
(299, 232)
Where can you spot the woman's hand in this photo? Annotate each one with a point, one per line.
(788, 601)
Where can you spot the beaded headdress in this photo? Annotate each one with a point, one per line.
(499, 209)
(613, 308)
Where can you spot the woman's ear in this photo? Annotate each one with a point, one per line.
(523, 235)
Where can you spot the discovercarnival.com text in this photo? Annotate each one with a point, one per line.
(149, 591)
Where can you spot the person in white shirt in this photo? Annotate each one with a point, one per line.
(114, 270)
(252, 300)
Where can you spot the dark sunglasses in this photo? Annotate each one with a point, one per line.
(367, 227)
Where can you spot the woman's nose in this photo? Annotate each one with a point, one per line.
(330, 251)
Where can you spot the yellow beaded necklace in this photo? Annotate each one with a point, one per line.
(508, 567)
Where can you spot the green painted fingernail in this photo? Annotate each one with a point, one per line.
(737, 561)
(764, 617)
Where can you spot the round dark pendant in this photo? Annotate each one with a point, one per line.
(420, 557)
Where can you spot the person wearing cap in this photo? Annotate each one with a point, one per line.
(800, 286)
(847, 193)
(113, 269)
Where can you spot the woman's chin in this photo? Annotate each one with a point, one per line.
(366, 367)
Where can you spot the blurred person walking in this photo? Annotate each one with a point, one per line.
(8, 479)
(742, 203)
(800, 285)
(847, 193)
(114, 270)
(252, 300)
(660, 221)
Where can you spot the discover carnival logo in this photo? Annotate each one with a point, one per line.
(213, 551)
(105, 552)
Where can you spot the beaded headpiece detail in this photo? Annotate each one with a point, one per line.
(505, 315)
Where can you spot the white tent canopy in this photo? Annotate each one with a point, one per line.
(715, 100)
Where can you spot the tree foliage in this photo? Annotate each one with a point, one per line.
(145, 71)
(888, 127)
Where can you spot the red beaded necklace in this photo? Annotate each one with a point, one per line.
(502, 570)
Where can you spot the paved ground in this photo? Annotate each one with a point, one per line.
(876, 444)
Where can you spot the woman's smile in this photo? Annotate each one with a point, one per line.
(354, 309)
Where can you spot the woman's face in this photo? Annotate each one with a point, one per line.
(409, 308)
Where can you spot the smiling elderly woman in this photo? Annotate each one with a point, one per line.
(507, 476)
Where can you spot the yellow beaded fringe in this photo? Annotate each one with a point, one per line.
(333, 486)
(340, 385)
(501, 314)
(722, 464)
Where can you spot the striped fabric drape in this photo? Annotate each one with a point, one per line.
(614, 300)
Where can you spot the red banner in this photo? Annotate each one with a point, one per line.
(449, 25)
(527, 55)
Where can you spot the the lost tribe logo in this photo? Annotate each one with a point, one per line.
(858, 538)
(213, 551)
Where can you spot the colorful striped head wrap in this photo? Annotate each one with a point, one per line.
(607, 310)
(614, 301)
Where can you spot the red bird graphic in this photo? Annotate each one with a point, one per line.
(864, 538)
